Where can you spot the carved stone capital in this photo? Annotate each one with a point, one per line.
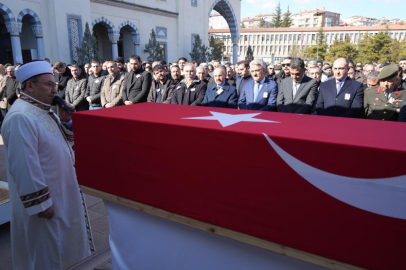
(14, 28)
(37, 30)
(136, 40)
(114, 37)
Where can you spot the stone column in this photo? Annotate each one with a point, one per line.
(37, 29)
(114, 37)
(136, 41)
(235, 50)
(14, 29)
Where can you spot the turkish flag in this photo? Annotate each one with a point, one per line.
(334, 187)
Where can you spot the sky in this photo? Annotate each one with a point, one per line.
(390, 9)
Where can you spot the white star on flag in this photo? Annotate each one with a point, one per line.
(226, 119)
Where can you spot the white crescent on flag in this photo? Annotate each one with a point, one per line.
(383, 196)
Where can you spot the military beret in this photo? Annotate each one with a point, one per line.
(388, 72)
(278, 67)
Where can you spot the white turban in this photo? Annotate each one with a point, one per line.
(31, 69)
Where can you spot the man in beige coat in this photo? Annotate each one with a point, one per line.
(111, 93)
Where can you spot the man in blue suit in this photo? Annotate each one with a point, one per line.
(259, 93)
(220, 94)
(340, 96)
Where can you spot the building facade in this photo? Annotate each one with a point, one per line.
(37, 29)
(315, 18)
(274, 44)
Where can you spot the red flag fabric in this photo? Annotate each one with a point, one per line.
(330, 186)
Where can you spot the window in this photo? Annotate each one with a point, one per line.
(161, 32)
(194, 3)
(267, 38)
(163, 46)
(271, 38)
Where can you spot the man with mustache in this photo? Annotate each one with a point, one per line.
(383, 102)
(191, 90)
(259, 93)
(161, 88)
(111, 93)
(48, 223)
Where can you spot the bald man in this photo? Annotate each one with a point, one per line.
(221, 94)
(340, 96)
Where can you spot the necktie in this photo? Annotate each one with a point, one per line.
(295, 88)
(256, 90)
(339, 84)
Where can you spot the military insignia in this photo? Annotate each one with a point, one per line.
(96, 81)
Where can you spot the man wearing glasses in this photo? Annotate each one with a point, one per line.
(285, 70)
(48, 224)
(271, 71)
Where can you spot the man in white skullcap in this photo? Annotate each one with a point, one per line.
(49, 226)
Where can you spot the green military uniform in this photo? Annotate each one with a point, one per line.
(383, 102)
(380, 106)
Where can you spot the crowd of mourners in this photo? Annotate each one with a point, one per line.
(342, 88)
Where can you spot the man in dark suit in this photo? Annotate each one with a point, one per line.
(340, 96)
(297, 93)
(191, 90)
(243, 75)
(222, 94)
(259, 93)
(136, 83)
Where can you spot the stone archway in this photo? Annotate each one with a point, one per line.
(105, 33)
(129, 42)
(225, 9)
(31, 35)
(10, 46)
